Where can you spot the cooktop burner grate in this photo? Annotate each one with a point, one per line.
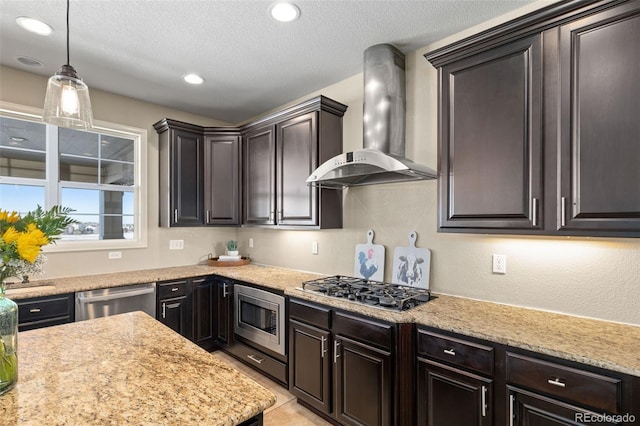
(385, 295)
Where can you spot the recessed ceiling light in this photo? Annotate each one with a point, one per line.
(193, 79)
(30, 62)
(284, 12)
(34, 25)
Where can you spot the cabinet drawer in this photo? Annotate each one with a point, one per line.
(259, 361)
(578, 386)
(35, 309)
(364, 330)
(172, 289)
(465, 354)
(309, 313)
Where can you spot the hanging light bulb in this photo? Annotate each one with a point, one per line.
(67, 102)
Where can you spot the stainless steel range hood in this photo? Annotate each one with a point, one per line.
(382, 159)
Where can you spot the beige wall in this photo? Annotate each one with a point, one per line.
(594, 277)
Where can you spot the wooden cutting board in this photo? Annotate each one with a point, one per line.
(411, 265)
(369, 260)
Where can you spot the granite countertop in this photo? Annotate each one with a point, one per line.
(599, 343)
(605, 344)
(125, 369)
(267, 276)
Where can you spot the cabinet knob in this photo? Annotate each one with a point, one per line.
(451, 352)
(175, 289)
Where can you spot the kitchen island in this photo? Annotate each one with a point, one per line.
(125, 369)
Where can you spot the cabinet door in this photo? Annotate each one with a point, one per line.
(259, 176)
(310, 365)
(449, 396)
(297, 158)
(186, 179)
(222, 180)
(491, 140)
(600, 101)
(175, 313)
(204, 315)
(224, 312)
(526, 408)
(362, 384)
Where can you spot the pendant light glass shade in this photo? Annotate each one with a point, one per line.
(67, 102)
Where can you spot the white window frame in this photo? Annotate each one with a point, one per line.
(51, 186)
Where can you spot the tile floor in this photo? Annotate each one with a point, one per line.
(286, 411)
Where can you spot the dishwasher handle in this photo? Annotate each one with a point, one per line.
(120, 295)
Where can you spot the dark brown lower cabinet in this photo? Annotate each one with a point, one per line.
(527, 408)
(38, 312)
(361, 388)
(223, 288)
(342, 366)
(174, 306)
(311, 365)
(204, 305)
(450, 396)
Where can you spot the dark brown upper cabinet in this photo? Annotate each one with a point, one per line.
(490, 139)
(538, 124)
(600, 122)
(279, 153)
(181, 172)
(222, 178)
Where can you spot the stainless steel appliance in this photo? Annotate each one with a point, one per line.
(116, 300)
(259, 317)
(374, 293)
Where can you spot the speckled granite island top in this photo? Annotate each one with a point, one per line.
(126, 369)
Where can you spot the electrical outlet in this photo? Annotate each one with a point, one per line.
(115, 255)
(314, 247)
(176, 244)
(250, 242)
(499, 264)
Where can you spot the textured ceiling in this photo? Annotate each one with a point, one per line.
(251, 63)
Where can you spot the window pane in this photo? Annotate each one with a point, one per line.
(116, 173)
(75, 142)
(77, 169)
(21, 198)
(22, 148)
(83, 201)
(114, 148)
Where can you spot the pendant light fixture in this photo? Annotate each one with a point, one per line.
(67, 102)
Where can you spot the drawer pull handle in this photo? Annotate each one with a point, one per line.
(451, 352)
(255, 359)
(556, 382)
(175, 289)
(34, 310)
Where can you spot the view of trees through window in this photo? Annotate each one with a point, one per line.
(92, 173)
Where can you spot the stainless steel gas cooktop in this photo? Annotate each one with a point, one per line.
(374, 293)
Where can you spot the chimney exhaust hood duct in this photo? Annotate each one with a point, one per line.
(383, 158)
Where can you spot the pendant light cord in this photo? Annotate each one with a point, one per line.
(67, 32)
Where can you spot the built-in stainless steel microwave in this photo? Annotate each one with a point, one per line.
(259, 317)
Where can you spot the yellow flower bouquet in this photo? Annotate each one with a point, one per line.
(21, 242)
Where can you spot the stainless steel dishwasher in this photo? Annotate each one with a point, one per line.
(116, 300)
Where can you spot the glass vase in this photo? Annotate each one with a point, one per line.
(8, 342)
